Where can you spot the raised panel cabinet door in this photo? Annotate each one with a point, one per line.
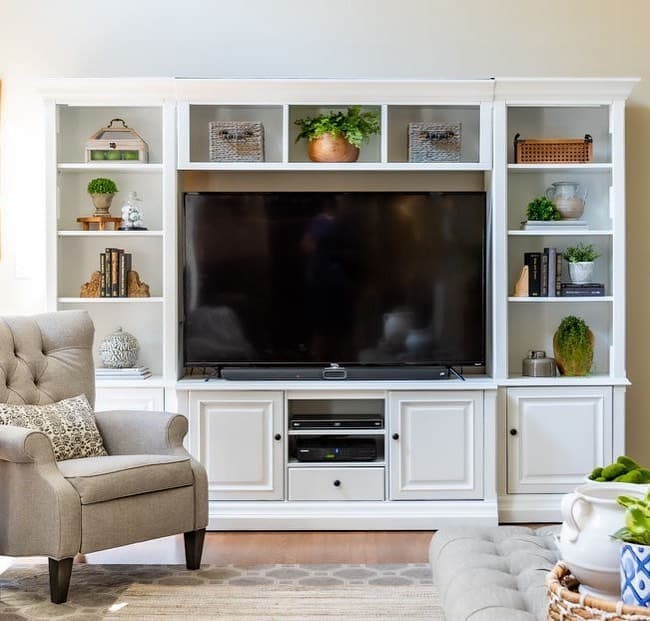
(435, 445)
(129, 399)
(556, 436)
(240, 443)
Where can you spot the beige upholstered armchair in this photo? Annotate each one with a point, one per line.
(147, 486)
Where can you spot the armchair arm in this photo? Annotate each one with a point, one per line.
(21, 445)
(40, 512)
(141, 432)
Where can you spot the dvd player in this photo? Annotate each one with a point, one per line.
(336, 448)
(336, 421)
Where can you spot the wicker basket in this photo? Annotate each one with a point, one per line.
(566, 604)
(434, 142)
(554, 150)
(236, 141)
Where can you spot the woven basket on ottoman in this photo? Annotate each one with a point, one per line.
(566, 604)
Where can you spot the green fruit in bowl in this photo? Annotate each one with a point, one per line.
(113, 155)
(130, 155)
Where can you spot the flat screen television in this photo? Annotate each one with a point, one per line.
(353, 278)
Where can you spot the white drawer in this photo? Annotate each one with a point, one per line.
(336, 484)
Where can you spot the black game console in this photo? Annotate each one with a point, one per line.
(336, 448)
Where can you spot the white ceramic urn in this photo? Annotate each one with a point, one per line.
(591, 514)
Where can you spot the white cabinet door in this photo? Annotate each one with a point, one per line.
(556, 436)
(436, 446)
(240, 442)
(129, 399)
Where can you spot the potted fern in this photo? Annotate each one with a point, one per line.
(573, 347)
(101, 191)
(337, 136)
(581, 261)
(635, 552)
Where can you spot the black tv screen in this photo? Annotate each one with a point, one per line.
(300, 278)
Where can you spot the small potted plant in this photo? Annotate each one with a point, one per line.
(581, 261)
(573, 347)
(337, 136)
(542, 209)
(102, 191)
(635, 552)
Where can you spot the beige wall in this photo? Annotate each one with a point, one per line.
(317, 38)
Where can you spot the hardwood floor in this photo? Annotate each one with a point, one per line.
(256, 548)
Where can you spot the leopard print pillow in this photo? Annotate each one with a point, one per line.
(69, 424)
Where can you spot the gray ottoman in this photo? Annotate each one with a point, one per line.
(493, 574)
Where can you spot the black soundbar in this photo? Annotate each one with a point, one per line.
(335, 372)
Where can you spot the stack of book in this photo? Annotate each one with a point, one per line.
(129, 373)
(114, 267)
(544, 273)
(583, 289)
(574, 225)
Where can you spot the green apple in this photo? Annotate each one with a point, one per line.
(130, 155)
(96, 155)
(113, 155)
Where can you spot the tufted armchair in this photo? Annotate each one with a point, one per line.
(147, 486)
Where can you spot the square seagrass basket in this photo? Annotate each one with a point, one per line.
(554, 150)
(434, 142)
(566, 604)
(236, 141)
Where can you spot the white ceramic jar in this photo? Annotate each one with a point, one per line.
(591, 514)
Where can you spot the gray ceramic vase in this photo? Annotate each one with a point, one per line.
(119, 350)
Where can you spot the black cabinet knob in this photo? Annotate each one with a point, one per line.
(513, 432)
(396, 436)
(337, 483)
(278, 436)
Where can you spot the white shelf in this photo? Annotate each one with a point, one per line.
(317, 167)
(110, 233)
(523, 168)
(588, 380)
(155, 381)
(568, 232)
(117, 166)
(337, 432)
(335, 464)
(570, 299)
(150, 300)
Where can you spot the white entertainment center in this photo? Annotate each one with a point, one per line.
(496, 447)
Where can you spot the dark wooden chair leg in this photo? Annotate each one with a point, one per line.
(194, 548)
(60, 572)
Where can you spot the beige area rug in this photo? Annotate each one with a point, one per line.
(259, 593)
(278, 603)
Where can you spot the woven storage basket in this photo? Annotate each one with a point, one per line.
(566, 604)
(554, 150)
(434, 142)
(236, 141)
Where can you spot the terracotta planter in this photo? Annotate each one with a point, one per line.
(102, 203)
(573, 365)
(329, 148)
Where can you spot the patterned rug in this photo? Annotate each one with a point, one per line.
(259, 593)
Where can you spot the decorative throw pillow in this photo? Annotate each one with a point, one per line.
(69, 424)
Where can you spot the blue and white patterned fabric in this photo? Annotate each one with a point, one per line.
(635, 575)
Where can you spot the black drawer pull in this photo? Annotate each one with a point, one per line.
(396, 436)
(278, 436)
(337, 483)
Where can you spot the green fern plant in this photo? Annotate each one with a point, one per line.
(355, 126)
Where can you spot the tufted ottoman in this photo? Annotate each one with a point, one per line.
(493, 574)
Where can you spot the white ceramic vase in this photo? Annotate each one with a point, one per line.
(581, 271)
(591, 514)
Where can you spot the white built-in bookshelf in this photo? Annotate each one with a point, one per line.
(173, 115)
